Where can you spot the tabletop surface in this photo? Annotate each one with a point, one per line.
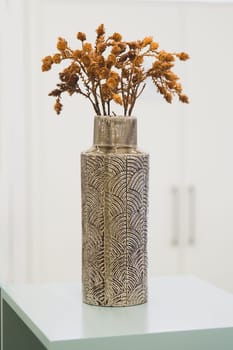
(175, 304)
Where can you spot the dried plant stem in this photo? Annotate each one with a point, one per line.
(136, 95)
(94, 93)
(109, 110)
(130, 87)
(102, 99)
(123, 96)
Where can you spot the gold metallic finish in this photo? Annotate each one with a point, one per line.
(114, 178)
(115, 131)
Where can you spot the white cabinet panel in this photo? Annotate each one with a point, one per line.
(159, 133)
(209, 143)
(14, 232)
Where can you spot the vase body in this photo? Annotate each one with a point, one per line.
(114, 178)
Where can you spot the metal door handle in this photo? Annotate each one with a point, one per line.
(176, 216)
(192, 215)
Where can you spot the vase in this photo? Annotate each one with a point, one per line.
(114, 180)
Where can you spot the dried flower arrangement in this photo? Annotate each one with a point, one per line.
(112, 71)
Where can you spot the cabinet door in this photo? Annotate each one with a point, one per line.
(209, 144)
(163, 142)
(165, 211)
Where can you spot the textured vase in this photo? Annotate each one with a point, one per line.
(114, 176)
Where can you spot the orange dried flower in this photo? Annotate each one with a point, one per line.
(162, 89)
(184, 98)
(166, 65)
(116, 50)
(57, 58)
(172, 84)
(165, 56)
(170, 76)
(162, 55)
(134, 45)
(47, 59)
(116, 37)
(87, 47)
(117, 98)
(168, 97)
(61, 44)
(58, 106)
(178, 87)
(45, 67)
(81, 36)
(86, 60)
(114, 75)
(119, 65)
(154, 46)
(46, 63)
(101, 47)
(147, 40)
(77, 54)
(100, 30)
(183, 56)
(106, 92)
(169, 57)
(111, 59)
(112, 83)
(100, 60)
(74, 68)
(157, 65)
(122, 46)
(138, 60)
(103, 73)
(93, 71)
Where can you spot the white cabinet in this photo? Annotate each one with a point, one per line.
(209, 143)
(205, 185)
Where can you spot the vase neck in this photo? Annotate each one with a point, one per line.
(116, 131)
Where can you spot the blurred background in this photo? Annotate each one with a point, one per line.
(190, 146)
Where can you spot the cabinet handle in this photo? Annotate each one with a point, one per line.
(176, 216)
(192, 215)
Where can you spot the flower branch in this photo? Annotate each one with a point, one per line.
(113, 72)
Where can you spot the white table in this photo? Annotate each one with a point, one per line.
(183, 313)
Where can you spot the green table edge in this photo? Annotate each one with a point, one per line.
(24, 317)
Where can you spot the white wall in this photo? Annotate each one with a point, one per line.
(40, 170)
(14, 235)
(61, 139)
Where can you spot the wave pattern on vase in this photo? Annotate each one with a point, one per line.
(114, 207)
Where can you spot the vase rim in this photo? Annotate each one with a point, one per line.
(115, 131)
(116, 116)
